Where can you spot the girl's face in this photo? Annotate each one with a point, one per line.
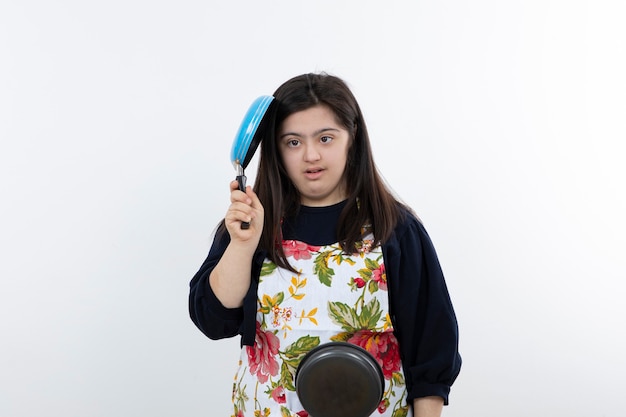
(314, 150)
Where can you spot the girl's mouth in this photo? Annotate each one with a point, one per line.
(313, 173)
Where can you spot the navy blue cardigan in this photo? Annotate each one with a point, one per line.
(421, 311)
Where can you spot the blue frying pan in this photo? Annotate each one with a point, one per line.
(248, 139)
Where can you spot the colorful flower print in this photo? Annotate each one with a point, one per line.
(332, 296)
(359, 282)
(281, 315)
(278, 394)
(384, 404)
(383, 346)
(374, 275)
(262, 356)
(298, 250)
(364, 246)
(380, 277)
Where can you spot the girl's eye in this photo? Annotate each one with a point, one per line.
(326, 139)
(292, 143)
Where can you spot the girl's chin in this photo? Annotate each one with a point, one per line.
(313, 200)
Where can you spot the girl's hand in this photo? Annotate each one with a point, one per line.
(244, 207)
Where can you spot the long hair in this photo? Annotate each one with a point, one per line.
(369, 201)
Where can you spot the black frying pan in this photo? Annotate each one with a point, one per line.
(248, 138)
(339, 379)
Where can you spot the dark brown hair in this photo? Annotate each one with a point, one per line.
(369, 201)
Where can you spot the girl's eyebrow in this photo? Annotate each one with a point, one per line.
(317, 132)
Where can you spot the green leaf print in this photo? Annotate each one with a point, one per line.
(292, 356)
(350, 320)
(301, 346)
(287, 372)
(344, 316)
(370, 314)
(338, 258)
(398, 379)
(401, 412)
(267, 268)
(322, 270)
(365, 273)
(372, 287)
(266, 302)
(342, 337)
(371, 264)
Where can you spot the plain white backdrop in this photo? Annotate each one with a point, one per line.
(501, 122)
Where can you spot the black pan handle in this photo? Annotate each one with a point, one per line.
(241, 180)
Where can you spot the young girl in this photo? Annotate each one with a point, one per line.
(330, 255)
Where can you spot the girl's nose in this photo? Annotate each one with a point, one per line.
(311, 153)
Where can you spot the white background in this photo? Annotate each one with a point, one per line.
(501, 122)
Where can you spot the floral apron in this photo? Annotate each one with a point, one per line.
(333, 297)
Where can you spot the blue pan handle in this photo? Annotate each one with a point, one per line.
(241, 180)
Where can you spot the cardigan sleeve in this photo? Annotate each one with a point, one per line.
(206, 310)
(424, 320)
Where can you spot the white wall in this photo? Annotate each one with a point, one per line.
(501, 123)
